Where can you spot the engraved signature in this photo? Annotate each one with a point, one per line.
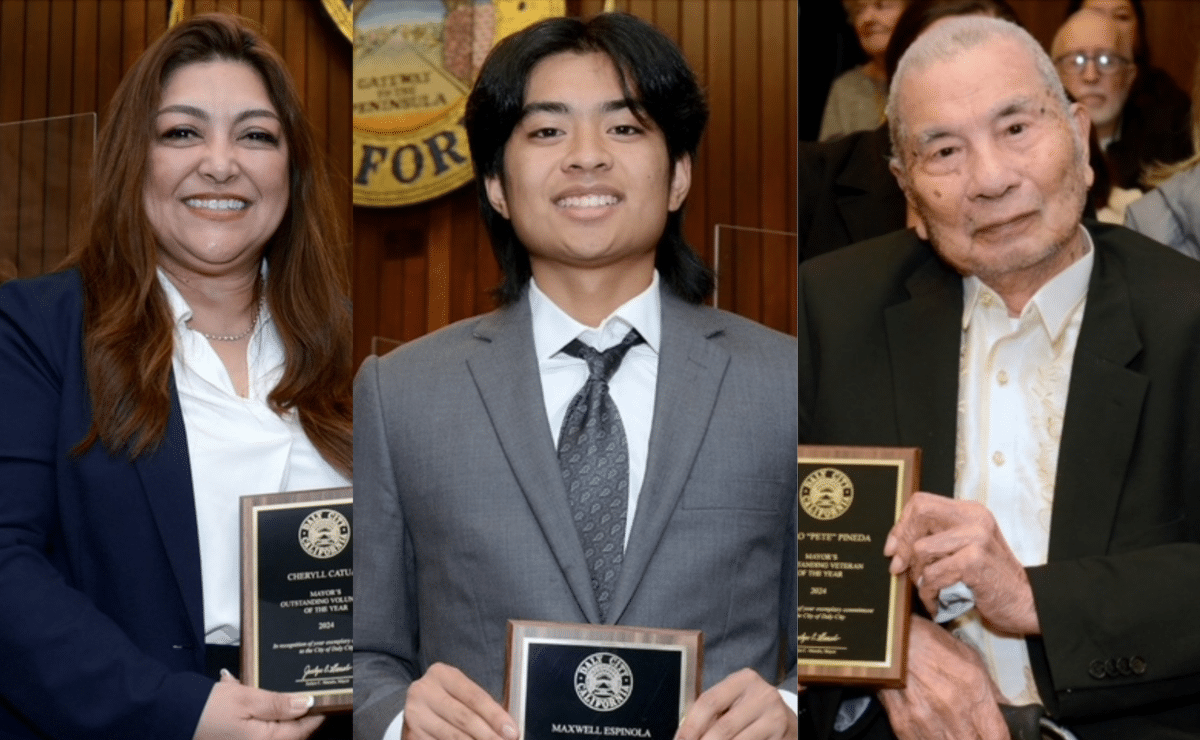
(313, 671)
(818, 637)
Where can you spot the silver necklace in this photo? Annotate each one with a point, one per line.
(231, 337)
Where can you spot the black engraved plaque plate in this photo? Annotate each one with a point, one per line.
(852, 614)
(298, 596)
(583, 682)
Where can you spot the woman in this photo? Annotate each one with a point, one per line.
(196, 349)
(857, 98)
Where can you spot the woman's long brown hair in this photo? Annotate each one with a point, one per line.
(127, 326)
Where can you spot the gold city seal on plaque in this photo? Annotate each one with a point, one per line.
(414, 64)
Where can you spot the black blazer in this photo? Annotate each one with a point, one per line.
(847, 192)
(101, 628)
(879, 331)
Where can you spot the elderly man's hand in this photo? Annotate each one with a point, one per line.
(948, 694)
(941, 541)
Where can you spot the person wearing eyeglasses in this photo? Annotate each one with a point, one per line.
(1150, 126)
(1094, 58)
(1155, 125)
(1095, 61)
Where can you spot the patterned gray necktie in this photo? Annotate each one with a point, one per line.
(594, 458)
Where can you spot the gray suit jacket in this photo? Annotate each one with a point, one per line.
(462, 521)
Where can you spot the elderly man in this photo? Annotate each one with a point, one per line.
(1095, 61)
(1042, 366)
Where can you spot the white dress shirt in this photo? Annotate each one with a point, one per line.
(631, 386)
(1014, 378)
(236, 446)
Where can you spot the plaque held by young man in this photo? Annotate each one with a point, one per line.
(852, 613)
(578, 681)
(297, 594)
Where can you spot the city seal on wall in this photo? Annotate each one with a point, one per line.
(324, 533)
(414, 64)
(826, 493)
(603, 681)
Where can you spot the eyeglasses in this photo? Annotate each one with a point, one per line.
(1075, 64)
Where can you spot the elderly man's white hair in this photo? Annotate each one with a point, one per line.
(945, 41)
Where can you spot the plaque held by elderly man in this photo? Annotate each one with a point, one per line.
(587, 682)
(297, 594)
(852, 613)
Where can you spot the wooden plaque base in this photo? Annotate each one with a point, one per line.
(852, 614)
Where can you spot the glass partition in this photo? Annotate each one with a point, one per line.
(756, 274)
(45, 184)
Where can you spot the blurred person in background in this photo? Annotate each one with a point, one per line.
(857, 97)
(1094, 59)
(1154, 122)
(1170, 213)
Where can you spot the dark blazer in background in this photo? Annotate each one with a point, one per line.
(463, 523)
(879, 331)
(101, 623)
(847, 192)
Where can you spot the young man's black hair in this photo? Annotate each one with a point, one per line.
(659, 87)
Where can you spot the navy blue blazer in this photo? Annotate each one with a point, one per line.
(101, 616)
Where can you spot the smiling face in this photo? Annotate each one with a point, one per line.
(994, 167)
(585, 184)
(1103, 93)
(217, 185)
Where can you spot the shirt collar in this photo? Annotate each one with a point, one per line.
(553, 328)
(1055, 302)
(181, 312)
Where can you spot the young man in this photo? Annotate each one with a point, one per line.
(1047, 369)
(583, 135)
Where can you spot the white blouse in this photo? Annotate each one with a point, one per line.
(237, 446)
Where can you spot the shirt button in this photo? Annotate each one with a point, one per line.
(986, 300)
(1002, 378)
(998, 458)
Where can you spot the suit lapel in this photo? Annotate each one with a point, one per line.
(1104, 405)
(867, 195)
(504, 368)
(690, 369)
(924, 335)
(166, 476)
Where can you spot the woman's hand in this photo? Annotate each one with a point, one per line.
(237, 712)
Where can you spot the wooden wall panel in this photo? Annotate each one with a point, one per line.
(65, 57)
(744, 53)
